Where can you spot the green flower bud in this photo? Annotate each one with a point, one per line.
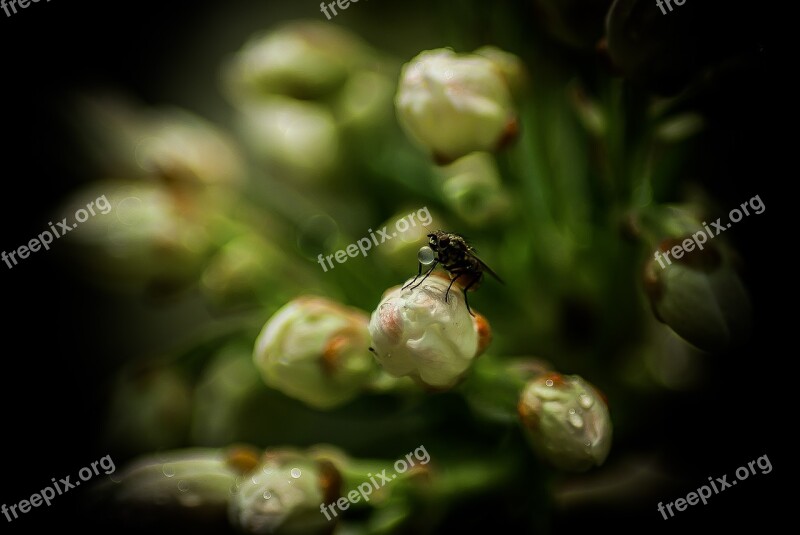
(183, 487)
(366, 100)
(304, 59)
(317, 351)
(283, 495)
(295, 137)
(566, 420)
(251, 270)
(455, 104)
(416, 333)
(699, 296)
(150, 409)
(472, 189)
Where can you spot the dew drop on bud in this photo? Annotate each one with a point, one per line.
(425, 255)
(585, 401)
(295, 473)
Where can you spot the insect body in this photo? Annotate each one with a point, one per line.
(457, 257)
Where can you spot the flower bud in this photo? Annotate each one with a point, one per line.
(304, 59)
(566, 420)
(181, 147)
(283, 495)
(252, 270)
(472, 189)
(455, 104)
(416, 333)
(145, 235)
(293, 136)
(317, 351)
(182, 487)
(699, 296)
(512, 68)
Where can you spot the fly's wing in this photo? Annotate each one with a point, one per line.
(486, 268)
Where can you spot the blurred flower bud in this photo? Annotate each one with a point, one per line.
(283, 495)
(295, 137)
(698, 295)
(184, 148)
(472, 189)
(455, 104)
(416, 333)
(566, 420)
(189, 488)
(512, 68)
(304, 60)
(179, 147)
(577, 23)
(141, 234)
(365, 100)
(317, 351)
(689, 279)
(250, 270)
(150, 409)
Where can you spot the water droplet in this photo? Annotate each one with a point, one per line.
(425, 255)
(572, 411)
(267, 469)
(168, 470)
(267, 495)
(585, 401)
(295, 473)
(254, 479)
(575, 420)
(183, 486)
(549, 382)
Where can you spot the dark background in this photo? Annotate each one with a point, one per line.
(60, 342)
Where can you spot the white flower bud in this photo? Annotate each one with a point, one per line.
(416, 333)
(316, 351)
(455, 104)
(283, 495)
(567, 421)
(296, 137)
